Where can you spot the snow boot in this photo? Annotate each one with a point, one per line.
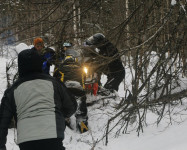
(82, 124)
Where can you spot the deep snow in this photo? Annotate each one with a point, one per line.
(165, 136)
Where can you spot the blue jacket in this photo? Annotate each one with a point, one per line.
(48, 57)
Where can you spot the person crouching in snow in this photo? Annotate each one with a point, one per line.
(39, 104)
(48, 54)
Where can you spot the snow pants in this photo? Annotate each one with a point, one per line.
(81, 113)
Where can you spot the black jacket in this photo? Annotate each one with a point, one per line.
(109, 50)
(37, 101)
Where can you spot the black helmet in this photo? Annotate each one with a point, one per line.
(95, 39)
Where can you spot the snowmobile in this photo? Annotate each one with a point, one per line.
(79, 73)
(76, 67)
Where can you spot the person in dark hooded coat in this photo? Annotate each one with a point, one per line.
(39, 103)
(114, 68)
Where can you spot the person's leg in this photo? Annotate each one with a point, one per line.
(114, 80)
(81, 115)
(45, 144)
(82, 107)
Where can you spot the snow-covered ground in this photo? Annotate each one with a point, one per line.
(168, 135)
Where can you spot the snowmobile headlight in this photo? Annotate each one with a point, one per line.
(85, 70)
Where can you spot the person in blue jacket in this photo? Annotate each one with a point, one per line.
(48, 54)
(39, 104)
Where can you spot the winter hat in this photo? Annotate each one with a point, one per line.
(29, 61)
(38, 40)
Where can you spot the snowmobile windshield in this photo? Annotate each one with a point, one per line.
(72, 52)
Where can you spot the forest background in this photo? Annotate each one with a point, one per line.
(149, 34)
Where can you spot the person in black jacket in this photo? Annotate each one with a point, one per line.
(39, 103)
(69, 72)
(114, 68)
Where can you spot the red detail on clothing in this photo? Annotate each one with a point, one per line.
(95, 88)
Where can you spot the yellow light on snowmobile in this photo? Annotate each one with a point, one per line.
(86, 70)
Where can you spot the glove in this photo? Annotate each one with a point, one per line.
(68, 123)
(3, 148)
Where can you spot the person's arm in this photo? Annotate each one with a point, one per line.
(5, 119)
(49, 55)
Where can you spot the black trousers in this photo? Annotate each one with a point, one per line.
(114, 80)
(45, 144)
(82, 106)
